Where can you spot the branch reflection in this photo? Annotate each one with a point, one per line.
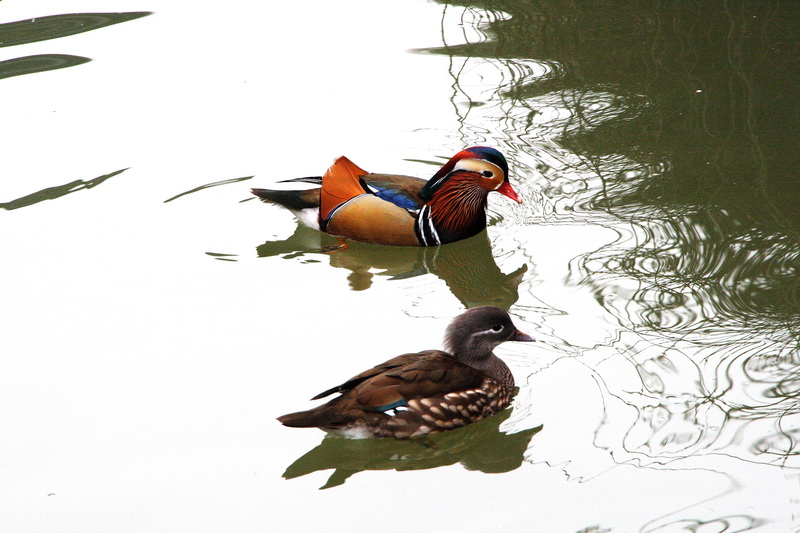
(52, 193)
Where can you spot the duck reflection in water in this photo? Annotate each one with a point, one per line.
(467, 266)
(481, 446)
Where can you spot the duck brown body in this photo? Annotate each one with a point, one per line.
(416, 394)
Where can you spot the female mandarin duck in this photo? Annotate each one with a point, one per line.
(401, 210)
(427, 392)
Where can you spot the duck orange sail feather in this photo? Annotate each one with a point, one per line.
(340, 183)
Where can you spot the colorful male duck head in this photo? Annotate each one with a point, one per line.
(480, 161)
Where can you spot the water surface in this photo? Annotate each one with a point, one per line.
(155, 320)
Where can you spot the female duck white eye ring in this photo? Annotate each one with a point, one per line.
(497, 328)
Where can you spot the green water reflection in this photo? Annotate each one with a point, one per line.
(52, 27)
(38, 63)
(55, 26)
(687, 113)
(677, 125)
(51, 193)
(207, 186)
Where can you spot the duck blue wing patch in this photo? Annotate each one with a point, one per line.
(400, 198)
(393, 408)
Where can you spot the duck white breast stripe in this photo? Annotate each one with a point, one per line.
(338, 207)
(420, 222)
(427, 232)
(432, 229)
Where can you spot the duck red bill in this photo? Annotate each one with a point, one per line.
(519, 336)
(506, 189)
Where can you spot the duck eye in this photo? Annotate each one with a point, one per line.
(497, 327)
(487, 174)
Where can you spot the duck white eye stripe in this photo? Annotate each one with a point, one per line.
(477, 165)
(486, 332)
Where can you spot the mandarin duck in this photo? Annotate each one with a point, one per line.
(427, 392)
(400, 210)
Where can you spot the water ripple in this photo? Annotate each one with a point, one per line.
(700, 287)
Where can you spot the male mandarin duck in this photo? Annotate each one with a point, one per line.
(401, 210)
(426, 392)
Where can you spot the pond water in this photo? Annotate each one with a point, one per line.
(155, 319)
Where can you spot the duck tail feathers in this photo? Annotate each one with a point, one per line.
(294, 200)
(321, 417)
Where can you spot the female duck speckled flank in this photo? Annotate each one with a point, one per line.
(401, 210)
(426, 392)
